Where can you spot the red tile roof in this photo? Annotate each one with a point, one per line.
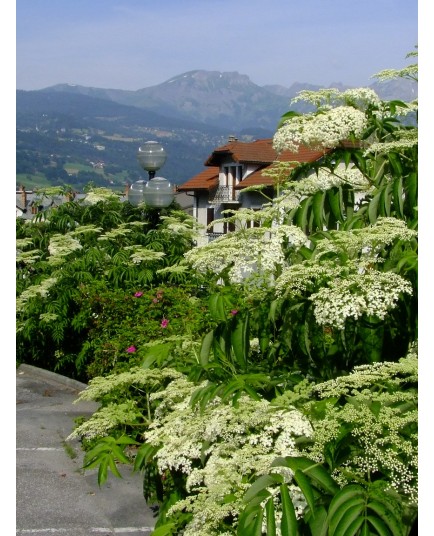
(205, 180)
(256, 152)
(255, 179)
(260, 152)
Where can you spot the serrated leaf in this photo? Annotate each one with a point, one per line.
(387, 516)
(206, 348)
(379, 526)
(272, 311)
(217, 307)
(365, 529)
(240, 339)
(306, 488)
(347, 493)
(398, 197)
(119, 454)
(270, 517)
(261, 484)
(143, 455)
(373, 208)
(126, 440)
(395, 163)
(102, 472)
(386, 200)
(310, 468)
(302, 214)
(318, 209)
(335, 202)
(158, 353)
(113, 467)
(318, 523)
(94, 462)
(355, 525)
(288, 525)
(351, 512)
(247, 520)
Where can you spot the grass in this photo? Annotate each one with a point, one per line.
(73, 168)
(32, 182)
(69, 451)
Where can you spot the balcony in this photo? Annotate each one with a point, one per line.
(212, 236)
(224, 194)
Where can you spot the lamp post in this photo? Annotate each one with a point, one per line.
(157, 191)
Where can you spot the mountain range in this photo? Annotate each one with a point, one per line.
(191, 114)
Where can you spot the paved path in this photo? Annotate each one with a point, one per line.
(53, 495)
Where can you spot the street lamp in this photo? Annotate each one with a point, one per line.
(157, 191)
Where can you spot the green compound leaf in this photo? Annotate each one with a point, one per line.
(342, 497)
(346, 517)
(386, 514)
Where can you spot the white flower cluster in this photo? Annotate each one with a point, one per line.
(299, 279)
(286, 202)
(327, 98)
(218, 448)
(106, 419)
(100, 194)
(22, 243)
(367, 241)
(394, 374)
(144, 379)
(407, 140)
(385, 439)
(326, 179)
(29, 257)
(179, 225)
(360, 247)
(86, 229)
(60, 246)
(48, 317)
(324, 130)
(249, 252)
(34, 291)
(410, 72)
(372, 294)
(114, 234)
(143, 254)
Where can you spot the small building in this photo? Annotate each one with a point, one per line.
(29, 203)
(229, 170)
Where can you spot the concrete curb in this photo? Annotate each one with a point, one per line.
(51, 376)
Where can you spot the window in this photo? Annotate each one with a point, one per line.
(231, 177)
(210, 218)
(228, 227)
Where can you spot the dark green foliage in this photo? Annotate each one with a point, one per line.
(100, 270)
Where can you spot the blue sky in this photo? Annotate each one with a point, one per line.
(131, 44)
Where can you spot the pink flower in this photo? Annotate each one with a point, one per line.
(138, 294)
(164, 323)
(131, 349)
(234, 312)
(155, 300)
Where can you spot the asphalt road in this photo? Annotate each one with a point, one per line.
(53, 494)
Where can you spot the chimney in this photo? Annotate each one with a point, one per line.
(127, 188)
(232, 138)
(23, 196)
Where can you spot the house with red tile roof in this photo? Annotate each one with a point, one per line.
(229, 170)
